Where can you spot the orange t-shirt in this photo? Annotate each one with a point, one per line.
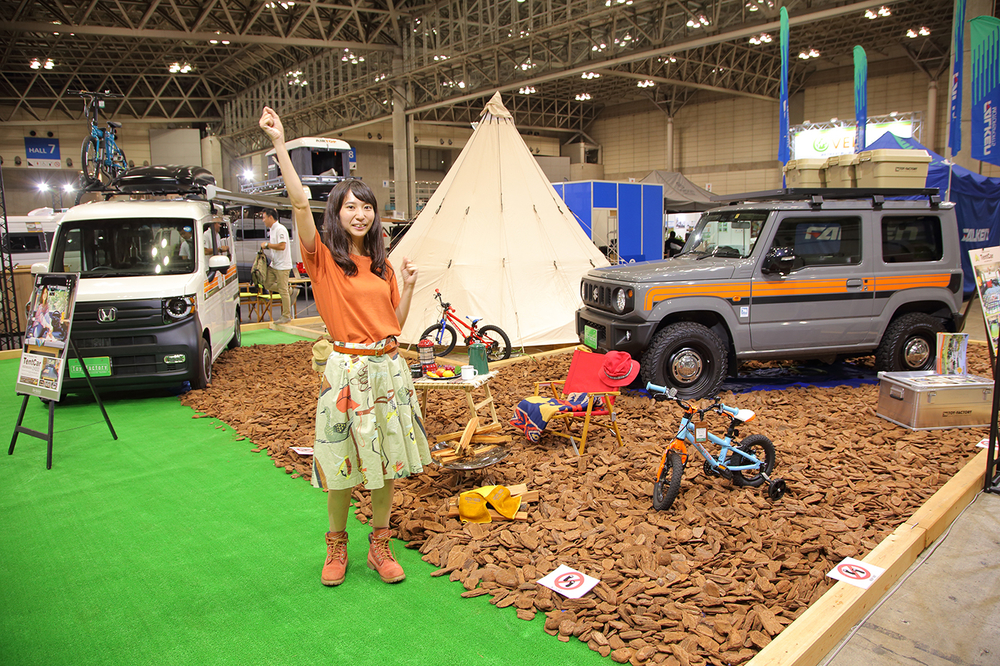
(360, 308)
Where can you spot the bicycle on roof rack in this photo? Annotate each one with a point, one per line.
(444, 335)
(100, 152)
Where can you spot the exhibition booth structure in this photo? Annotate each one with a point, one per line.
(625, 220)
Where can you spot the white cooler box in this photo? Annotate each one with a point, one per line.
(891, 167)
(925, 400)
(809, 172)
(840, 171)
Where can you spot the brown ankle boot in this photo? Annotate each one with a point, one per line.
(380, 556)
(335, 567)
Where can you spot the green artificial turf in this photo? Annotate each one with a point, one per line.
(176, 544)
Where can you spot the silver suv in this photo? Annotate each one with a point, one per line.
(788, 274)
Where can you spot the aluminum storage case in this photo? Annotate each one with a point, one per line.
(925, 400)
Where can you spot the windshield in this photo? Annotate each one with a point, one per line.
(725, 234)
(125, 247)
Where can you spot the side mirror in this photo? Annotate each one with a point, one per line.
(39, 269)
(779, 260)
(218, 262)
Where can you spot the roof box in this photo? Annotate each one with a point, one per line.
(164, 179)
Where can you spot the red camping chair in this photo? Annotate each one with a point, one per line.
(582, 396)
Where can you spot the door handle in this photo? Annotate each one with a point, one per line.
(855, 282)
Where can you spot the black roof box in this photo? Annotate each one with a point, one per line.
(164, 179)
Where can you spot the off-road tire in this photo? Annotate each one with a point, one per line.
(686, 344)
(668, 484)
(909, 343)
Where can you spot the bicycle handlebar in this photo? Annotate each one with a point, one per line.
(671, 393)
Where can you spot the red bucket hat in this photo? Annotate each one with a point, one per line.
(618, 369)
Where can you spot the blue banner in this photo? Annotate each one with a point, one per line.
(958, 53)
(860, 97)
(985, 85)
(783, 147)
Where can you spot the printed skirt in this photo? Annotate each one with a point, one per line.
(368, 422)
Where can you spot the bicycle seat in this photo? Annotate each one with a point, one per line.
(112, 123)
(745, 415)
(474, 319)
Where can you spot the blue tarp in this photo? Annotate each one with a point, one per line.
(977, 200)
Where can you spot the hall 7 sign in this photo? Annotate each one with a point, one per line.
(42, 153)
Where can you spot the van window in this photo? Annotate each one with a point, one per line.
(911, 238)
(821, 241)
(125, 247)
(23, 243)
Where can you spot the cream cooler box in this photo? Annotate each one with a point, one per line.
(925, 400)
(891, 167)
(840, 171)
(809, 172)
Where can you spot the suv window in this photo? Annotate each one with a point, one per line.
(116, 248)
(725, 234)
(828, 241)
(911, 238)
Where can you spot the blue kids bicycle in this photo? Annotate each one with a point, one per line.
(100, 153)
(745, 463)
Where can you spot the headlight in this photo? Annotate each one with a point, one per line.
(175, 309)
(621, 300)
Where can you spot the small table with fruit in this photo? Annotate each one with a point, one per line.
(477, 432)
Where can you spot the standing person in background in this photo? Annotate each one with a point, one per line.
(369, 429)
(212, 240)
(279, 249)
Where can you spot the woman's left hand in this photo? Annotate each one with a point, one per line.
(408, 271)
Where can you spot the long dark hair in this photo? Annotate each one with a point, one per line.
(336, 238)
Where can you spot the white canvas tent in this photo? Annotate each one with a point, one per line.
(498, 242)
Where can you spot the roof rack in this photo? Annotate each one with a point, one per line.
(817, 195)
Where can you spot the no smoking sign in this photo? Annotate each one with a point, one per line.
(568, 582)
(857, 573)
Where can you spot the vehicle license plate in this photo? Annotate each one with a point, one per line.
(590, 336)
(99, 366)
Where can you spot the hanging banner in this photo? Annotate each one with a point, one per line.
(860, 97)
(46, 338)
(985, 85)
(783, 148)
(958, 54)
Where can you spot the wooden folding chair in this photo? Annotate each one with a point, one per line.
(583, 377)
(258, 300)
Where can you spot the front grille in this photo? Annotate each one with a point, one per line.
(133, 365)
(126, 341)
(597, 295)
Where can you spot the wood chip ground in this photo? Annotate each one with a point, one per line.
(711, 581)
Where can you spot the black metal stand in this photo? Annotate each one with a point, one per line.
(47, 436)
(992, 482)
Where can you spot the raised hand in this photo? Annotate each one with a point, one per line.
(271, 124)
(408, 271)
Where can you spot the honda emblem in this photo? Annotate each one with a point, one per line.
(107, 315)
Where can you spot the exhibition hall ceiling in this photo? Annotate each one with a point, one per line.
(337, 64)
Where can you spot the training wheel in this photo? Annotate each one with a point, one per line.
(776, 489)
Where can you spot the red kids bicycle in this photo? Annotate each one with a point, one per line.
(444, 335)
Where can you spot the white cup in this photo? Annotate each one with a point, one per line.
(469, 373)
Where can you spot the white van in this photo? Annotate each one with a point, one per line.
(158, 296)
(29, 237)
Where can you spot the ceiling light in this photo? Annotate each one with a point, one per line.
(68, 187)
(762, 38)
(43, 187)
(176, 67)
(698, 21)
(380, 77)
(350, 57)
(922, 32)
(645, 84)
(812, 53)
(284, 4)
(608, 3)
(583, 97)
(248, 174)
(872, 14)
(590, 75)
(527, 90)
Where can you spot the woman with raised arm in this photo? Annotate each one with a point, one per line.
(369, 429)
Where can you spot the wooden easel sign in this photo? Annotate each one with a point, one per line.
(46, 338)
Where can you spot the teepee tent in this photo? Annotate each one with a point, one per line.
(498, 242)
